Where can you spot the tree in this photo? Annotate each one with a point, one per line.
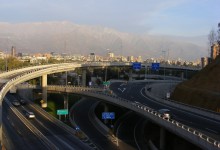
(211, 39)
(218, 33)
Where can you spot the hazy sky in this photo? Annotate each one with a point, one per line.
(170, 17)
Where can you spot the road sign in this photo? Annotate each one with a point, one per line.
(108, 115)
(155, 66)
(136, 66)
(106, 83)
(62, 111)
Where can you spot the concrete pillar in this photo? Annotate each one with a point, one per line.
(182, 75)
(130, 74)
(84, 77)
(65, 99)
(162, 138)
(44, 91)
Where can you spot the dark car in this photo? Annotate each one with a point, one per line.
(23, 102)
(16, 103)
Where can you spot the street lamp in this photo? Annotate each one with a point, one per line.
(164, 52)
(105, 73)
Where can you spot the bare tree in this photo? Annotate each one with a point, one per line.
(218, 33)
(211, 39)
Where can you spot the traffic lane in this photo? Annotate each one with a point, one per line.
(81, 118)
(201, 123)
(126, 131)
(57, 134)
(124, 90)
(19, 136)
(139, 134)
(187, 118)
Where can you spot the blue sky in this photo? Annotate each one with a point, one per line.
(161, 17)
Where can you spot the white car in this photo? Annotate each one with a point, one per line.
(165, 113)
(30, 115)
(16, 103)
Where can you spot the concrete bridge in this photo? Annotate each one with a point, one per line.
(18, 76)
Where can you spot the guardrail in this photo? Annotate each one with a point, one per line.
(199, 139)
(192, 135)
(190, 108)
(47, 143)
(57, 122)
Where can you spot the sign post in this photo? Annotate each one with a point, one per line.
(155, 66)
(136, 66)
(62, 112)
(108, 115)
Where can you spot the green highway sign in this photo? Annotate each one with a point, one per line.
(106, 83)
(62, 111)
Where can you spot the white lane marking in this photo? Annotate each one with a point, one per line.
(211, 130)
(123, 84)
(122, 90)
(55, 136)
(161, 103)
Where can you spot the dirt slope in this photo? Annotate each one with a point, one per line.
(203, 90)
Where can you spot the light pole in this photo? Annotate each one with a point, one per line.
(105, 73)
(164, 52)
(6, 62)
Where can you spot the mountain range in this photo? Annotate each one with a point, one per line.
(70, 38)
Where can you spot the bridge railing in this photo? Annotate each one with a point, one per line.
(200, 139)
(190, 108)
(193, 135)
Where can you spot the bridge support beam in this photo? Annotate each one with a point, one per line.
(44, 91)
(162, 138)
(84, 77)
(130, 75)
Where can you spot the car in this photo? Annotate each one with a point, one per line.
(16, 103)
(166, 113)
(29, 114)
(136, 103)
(23, 102)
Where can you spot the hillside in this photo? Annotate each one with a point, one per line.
(203, 90)
(67, 37)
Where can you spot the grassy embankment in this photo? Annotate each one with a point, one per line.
(203, 90)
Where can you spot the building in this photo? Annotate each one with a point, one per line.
(205, 61)
(13, 51)
(92, 57)
(131, 58)
(2, 55)
(111, 55)
(139, 59)
(215, 50)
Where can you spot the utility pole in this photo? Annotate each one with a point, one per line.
(164, 53)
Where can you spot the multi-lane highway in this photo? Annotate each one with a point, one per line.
(58, 136)
(62, 138)
(83, 118)
(135, 92)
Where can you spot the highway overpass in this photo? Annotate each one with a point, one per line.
(186, 132)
